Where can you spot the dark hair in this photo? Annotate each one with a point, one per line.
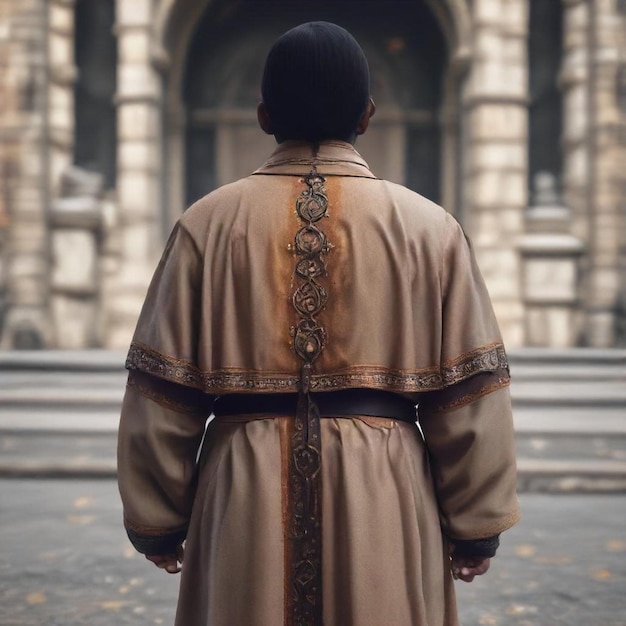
(316, 83)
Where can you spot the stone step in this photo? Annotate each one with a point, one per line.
(584, 374)
(62, 361)
(541, 420)
(570, 447)
(569, 398)
(60, 398)
(552, 461)
(58, 454)
(567, 357)
(571, 476)
(52, 420)
(59, 413)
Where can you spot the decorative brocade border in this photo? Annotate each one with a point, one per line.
(486, 359)
(231, 380)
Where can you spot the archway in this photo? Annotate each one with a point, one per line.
(212, 72)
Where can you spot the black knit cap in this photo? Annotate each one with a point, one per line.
(316, 83)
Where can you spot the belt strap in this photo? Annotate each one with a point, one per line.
(344, 403)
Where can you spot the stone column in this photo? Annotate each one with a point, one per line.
(23, 121)
(62, 75)
(495, 154)
(139, 176)
(604, 284)
(575, 142)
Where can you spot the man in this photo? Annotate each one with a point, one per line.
(311, 306)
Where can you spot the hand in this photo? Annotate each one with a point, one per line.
(168, 562)
(466, 568)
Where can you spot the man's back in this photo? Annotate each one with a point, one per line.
(390, 266)
(311, 306)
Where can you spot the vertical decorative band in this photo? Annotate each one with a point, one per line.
(305, 515)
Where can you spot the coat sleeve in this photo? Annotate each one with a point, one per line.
(468, 425)
(164, 411)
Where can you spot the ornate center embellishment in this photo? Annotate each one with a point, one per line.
(311, 247)
(305, 492)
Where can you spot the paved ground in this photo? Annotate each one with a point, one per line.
(66, 562)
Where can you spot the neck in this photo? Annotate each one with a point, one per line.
(352, 139)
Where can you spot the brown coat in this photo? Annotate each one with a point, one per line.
(407, 311)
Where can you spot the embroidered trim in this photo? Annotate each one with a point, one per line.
(144, 358)
(311, 247)
(485, 359)
(379, 378)
(233, 380)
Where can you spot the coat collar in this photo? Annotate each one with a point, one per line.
(335, 158)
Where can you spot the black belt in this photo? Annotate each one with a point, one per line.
(347, 402)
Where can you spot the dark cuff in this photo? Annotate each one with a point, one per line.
(152, 545)
(476, 548)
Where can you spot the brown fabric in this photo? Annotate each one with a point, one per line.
(156, 464)
(408, 312)
(383, 558)
(419, 321)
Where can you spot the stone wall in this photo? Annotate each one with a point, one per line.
(604, 280)
(25, 171)
(574, 247)
(139, 184)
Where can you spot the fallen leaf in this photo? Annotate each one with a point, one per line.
(601, 574)
(133, 582)
(487, 620)
(525, 550)
(615, 545)
(37, 597)
(158, 620)
(124, 589)
(82, 502)
(516, 609)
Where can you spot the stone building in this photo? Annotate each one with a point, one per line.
(116, 114)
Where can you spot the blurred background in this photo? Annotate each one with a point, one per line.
(115, 115)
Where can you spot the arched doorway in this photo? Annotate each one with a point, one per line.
(407, 53)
